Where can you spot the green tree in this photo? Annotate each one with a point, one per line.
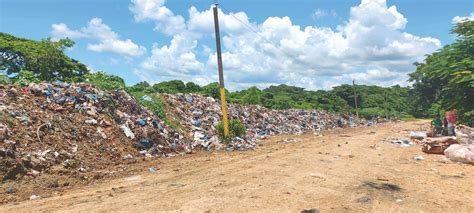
(45, 58)
(192, 88)
(213, 90)
(252, 96)
(446, 77)
(173, 86)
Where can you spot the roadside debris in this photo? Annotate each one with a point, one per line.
(419, 158)
(463, 153)
(401, 142)
(437, 145)
(418, 135)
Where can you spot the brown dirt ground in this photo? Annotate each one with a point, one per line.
(344, 170)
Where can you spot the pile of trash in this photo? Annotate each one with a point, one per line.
(201, 114)
(459, 148)
(70, 128)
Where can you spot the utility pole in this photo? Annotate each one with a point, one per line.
(221, 72)
(355, 98)
(385, 105)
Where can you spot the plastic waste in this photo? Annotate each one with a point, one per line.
(418, 135)
(463, 153)
(419, 158)
(127, 131)
(146, 98)
(91, 121)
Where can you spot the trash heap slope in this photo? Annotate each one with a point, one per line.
(199, 115)
(62, 128)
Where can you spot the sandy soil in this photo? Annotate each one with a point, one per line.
(343, 171)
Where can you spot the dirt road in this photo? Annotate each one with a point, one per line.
(344, 170)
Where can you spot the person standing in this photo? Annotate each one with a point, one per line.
(451, 117)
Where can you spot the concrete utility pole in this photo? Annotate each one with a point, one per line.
(355, 98)
(221, 72)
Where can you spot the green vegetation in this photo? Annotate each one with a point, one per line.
(445, 79)
(105, 81)
(236, 129)
(45, 59)
(4, 79)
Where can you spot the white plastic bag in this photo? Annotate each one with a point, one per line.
(418, 135)
(127, 131)
(463, 153)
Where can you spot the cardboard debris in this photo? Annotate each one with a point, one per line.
(437, 145)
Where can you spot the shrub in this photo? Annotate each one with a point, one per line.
(105, 81)
(236, 129)
(4, 79)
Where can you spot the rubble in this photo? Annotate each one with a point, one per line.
(201, 114)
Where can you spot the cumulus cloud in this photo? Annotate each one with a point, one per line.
(163, 17)
(458, 19)
(109, 41)
(371, 47)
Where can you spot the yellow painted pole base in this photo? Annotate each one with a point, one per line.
(224, 112)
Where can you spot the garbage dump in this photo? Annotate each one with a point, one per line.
(458, 148)
(201, 114)
(80, 133)
(77, 127)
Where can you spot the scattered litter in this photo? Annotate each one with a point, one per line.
(289, 140)
(310, 211)
(418, 135)
(401, 142)
(133, 178)
(146, 98)
(317, 175)
(465, 134)
(34, 197)
(11, 190)
(419, 158)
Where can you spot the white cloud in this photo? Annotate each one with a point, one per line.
(371, 46)
(458, 19)
(109, 41)
(154, 10)
(320, 13)
(61, 30)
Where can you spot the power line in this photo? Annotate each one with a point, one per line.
(251, 29)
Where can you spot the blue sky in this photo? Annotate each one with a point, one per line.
(313, 44)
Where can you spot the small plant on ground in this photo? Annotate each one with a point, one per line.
(236, 129)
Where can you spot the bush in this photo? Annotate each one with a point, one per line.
(105, 81)
(236, 129)
(155, 105)
(4, 79)
(25, 77)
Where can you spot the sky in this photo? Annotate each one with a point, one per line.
(315, 44)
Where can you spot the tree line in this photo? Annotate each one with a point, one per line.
(443, 81)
